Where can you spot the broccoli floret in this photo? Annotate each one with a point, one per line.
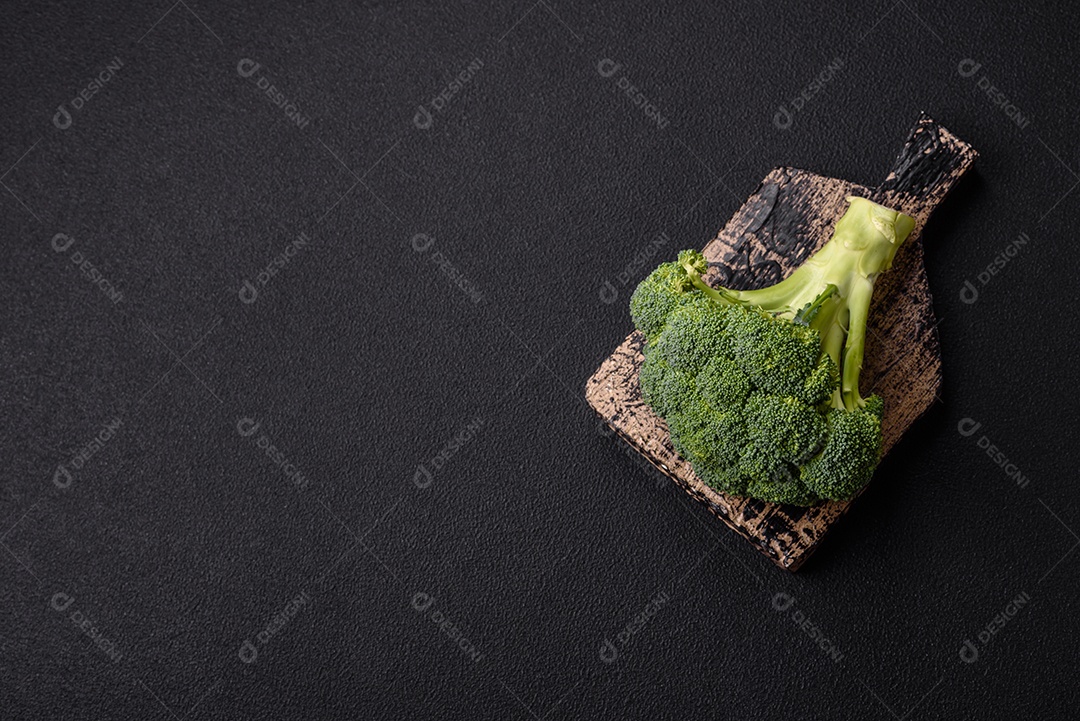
(821, 382)
(665, 389)
(723, 384)
(785, 427)
(759, 466)
(695, 332)
(789, 491)
(778, 356)
(711, 440)
(875, 406)
(760, 388)
(771, 479)
(657, 296)
(850, 455)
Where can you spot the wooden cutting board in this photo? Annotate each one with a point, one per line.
(789, 216)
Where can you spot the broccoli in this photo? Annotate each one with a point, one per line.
(760, 388)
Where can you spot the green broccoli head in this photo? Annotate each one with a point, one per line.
(759, 388)
(786, 427)
(771, 479)
(711, 440)
(788, 490)
(695, 332)
(665, 389)
(849, 457)
(822, 381)
(693, 262)
(667, 288)
(777, 354)
(722, 384)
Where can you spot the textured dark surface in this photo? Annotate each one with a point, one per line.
(537, 539)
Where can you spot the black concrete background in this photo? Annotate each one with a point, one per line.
(533, 569)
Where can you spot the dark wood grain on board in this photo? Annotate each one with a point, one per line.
(789, 216)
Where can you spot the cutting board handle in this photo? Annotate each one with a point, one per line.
(931, 162)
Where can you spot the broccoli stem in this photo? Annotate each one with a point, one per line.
(720, 295)
(838, 281)
(832, 343)
(813, 309)
(858, 311)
